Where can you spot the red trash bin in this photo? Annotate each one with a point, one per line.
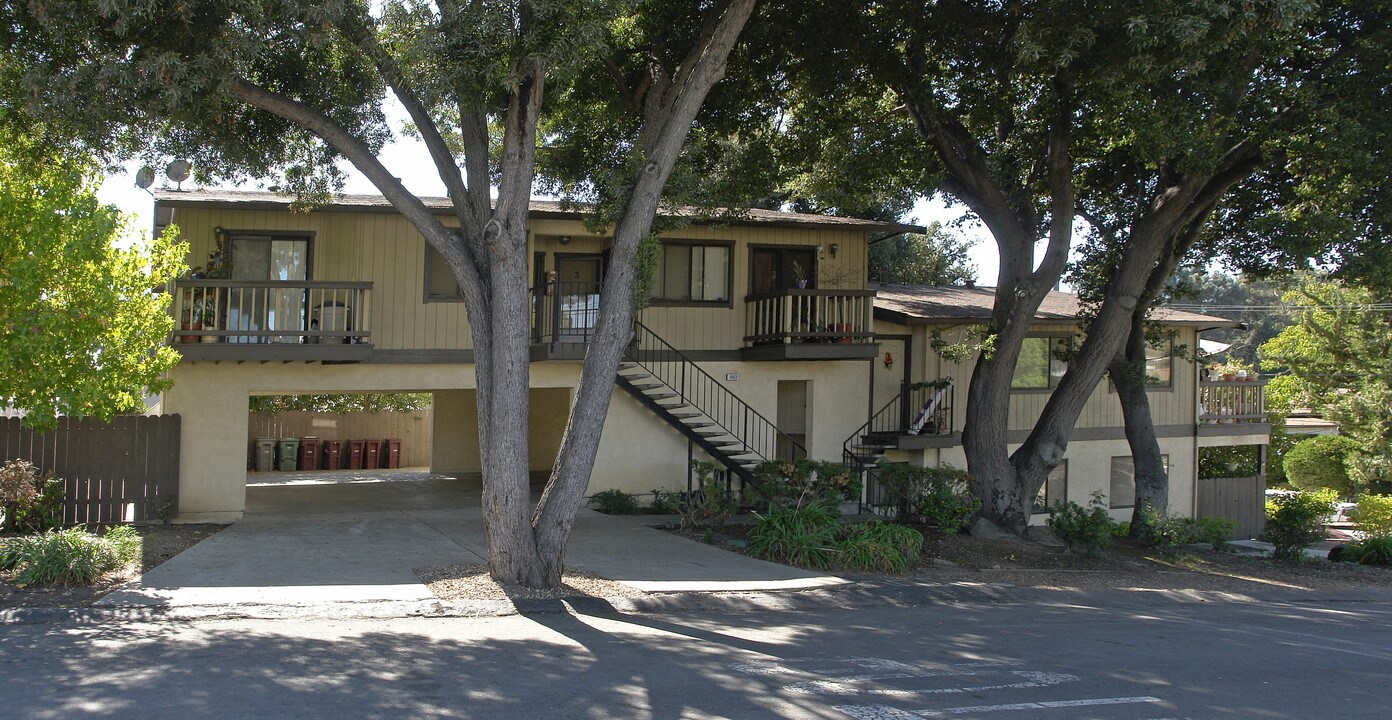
(332, 450)
(309, 453)
(355, 454)
(371, 454)
(391, 453)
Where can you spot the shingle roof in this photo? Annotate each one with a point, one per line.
(264, 200)
(933, 304)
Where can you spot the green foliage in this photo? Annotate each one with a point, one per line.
(938, 496)
(74, 555)
(1121, 529)
(360, 402)
(802, 536)
(800, 483)
(712, 504)
(878, 547)
(1338, 360)
(1086, 529)
(666, 503)
(1228, 462)
(82, 328)
(938, 257)
(1374, 513)
(1294, 520)
(1371, 550)
(1168, 533)
(615, 502)
(1321, 462)
(1239, 298)
(28, 502)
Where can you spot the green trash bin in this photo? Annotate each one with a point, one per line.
(288, 453)
(265, 454)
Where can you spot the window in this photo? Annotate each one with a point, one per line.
(1041, 364)
(1054, 490)
(693, 274)
(440, 285)
(1159, 363)
(1123, 493)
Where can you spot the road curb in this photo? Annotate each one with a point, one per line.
(893, 593)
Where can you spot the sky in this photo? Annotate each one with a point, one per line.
(408, 160)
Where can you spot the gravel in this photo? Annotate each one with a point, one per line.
(471, 582)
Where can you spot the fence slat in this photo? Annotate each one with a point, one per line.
(104, 466)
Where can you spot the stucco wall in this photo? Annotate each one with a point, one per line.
(638, 451)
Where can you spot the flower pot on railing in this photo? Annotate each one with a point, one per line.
(189, 339)
(845, 329)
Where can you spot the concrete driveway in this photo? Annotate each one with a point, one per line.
(356, 537)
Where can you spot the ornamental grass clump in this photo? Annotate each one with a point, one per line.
(74, 555)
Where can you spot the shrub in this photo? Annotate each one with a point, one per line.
(711, 505)
(879, 547)
(1295, 520)
(29, 503)
(666, 503)
(800, 483)
(1088, 529)
(1321, 462)
(940, 496)
(804, 536)
(1371, 550)
(615, 502)
(1374, 513)
(1215, 531)
(1168, 533)
(73, 555)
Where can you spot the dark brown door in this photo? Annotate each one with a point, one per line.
(773, 270)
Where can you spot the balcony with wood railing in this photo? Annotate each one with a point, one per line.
(272, 320)
(1232, 407)
(801, 324)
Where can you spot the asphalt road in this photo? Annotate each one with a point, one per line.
(1131, 660)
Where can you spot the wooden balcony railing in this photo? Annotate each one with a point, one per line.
(296, 312)
(810, 316)
(1231, 401)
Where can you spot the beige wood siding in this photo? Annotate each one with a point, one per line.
(386, 250)
(1171, 406)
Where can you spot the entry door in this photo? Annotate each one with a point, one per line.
(580, 278)
(773, 270)
(263, 257)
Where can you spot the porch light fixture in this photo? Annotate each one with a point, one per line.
(834, 247)
(889, 360)
(564, 239)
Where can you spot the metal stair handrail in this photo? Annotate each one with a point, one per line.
(696, 387)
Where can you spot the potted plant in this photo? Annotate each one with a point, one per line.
(206, 314)
(799, 274)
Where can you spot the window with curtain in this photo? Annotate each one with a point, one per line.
(691, 273)
(1123, 490)
(440, 285)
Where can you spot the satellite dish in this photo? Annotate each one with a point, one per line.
(145, 178)
(177, 171)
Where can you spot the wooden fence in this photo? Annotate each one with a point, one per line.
(126, 470)
(1242, 499)
(414, 429)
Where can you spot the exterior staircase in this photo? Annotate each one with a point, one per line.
(919, 410)
(699, 407)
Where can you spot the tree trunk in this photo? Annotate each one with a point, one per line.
(1128, 376)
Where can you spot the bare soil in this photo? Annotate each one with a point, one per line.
(1029, 563)
(158, 544)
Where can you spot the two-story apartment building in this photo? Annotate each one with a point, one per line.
(756, 343)
(918, 405)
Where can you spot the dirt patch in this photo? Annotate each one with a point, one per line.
(158, 543)
(1026, 563)
(471, 582)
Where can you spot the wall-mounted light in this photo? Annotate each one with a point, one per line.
(889, 360)
(834, 247)
(564, 239)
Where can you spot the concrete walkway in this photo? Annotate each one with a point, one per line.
(356, 538)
